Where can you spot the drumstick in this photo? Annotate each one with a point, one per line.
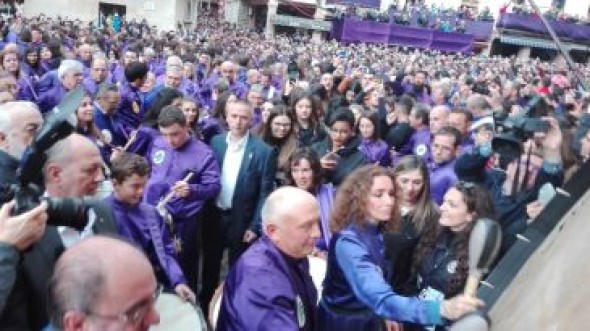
(170, 194)
(484, 244)
(131, 140)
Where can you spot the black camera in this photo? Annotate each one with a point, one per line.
(28, 193)
(513, 131)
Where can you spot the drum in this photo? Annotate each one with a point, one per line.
(176, 314)
(317, 270)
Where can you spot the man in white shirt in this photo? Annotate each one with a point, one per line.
(247, 172)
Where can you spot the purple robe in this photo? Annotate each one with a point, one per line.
(131, 108)
(325, 196)
(144, 138)
(118, 75)
(91, 86)
(143, 225)
(171, 165)
(376, 152)
(266, 290)
(50, 92)
(442, 177)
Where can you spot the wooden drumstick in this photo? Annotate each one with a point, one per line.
(131, 140)
(484, 245)
(170, 194)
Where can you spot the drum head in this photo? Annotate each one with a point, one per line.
(176, 314)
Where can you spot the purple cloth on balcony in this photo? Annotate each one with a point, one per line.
(352, 30)
(534, 24)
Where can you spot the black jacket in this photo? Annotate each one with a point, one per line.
(350, 158)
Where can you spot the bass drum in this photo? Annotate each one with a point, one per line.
(176, 314)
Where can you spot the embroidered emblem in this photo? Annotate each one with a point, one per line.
(159, 157)
(421, 150)
(136, 107)
(452, 267)
(300, 312)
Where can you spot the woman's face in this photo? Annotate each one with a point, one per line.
(374, 99)
(266, 108)
(32, 58)
(302, 174)
(10, 63)
(280, 126)
(381, 199)
(411, 184)
(190, 111)
(45, 53)
(366, 128)
(303, 109)
(84, 112)
(454, 213)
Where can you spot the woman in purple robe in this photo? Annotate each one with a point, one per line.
(10, 62)
(305, 172)
(87, 128)
(375, 149)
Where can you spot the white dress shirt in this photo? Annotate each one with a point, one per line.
(232, 161)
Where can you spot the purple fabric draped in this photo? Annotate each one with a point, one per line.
(325, 196)
(534, 24)
(352, 30)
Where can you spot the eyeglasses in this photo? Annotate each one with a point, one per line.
(134, 314)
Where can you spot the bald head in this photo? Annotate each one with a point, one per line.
(86, 279)
(285, 202)
(73, 167)
(290, 218)
(228, 71)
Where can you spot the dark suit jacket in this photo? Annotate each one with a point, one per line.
(254, 183)
(26, 308)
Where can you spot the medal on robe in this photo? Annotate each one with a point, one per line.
(135, 106)
(300, 312)
(177, 244)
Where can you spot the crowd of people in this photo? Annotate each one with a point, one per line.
(375, 159)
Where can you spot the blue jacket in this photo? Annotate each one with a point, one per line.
(255, 182)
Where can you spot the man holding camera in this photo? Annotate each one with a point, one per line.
(519, 184)
(73, 169)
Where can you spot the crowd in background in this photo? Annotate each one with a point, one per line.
(309, 115)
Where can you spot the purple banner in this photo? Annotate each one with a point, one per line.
(351, 30)
(357, 3)
(534, 24)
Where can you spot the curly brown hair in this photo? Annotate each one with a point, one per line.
(479, 202)
(351, 199)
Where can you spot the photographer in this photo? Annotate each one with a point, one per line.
(516, 186)
(17, 233)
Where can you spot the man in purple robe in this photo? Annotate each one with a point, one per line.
(173, 156)
(54, 85)
(269, 287)
(142, 224)
(118, 74)
(98, 76)
(132, 108)
(444, 150)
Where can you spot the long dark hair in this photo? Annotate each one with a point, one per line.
(286, 146)
(165, 97)
(306, 153)
(479, 202)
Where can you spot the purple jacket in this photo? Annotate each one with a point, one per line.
(376, 151)
(266, 290)
(144, 138)
(131, 107)
(171, 165)
(442, 177)
(50, 92)
(143, 225)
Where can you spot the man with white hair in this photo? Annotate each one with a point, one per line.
(269, 287)
(19, 121)
(52, 87)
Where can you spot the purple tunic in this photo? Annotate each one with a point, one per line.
(442, 177)
(171, 165)
(266, 290)
(144, 138)
(325, 196)
(143, 225)
(131, 108)
(376, 152)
